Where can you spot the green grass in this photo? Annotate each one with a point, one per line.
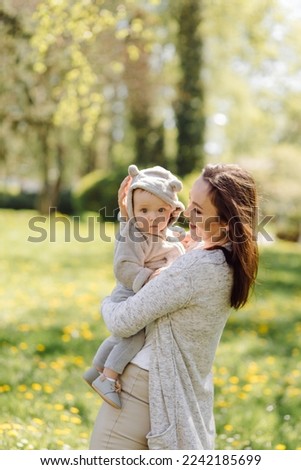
(50, 328)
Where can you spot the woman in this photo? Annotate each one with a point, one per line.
(168, 389)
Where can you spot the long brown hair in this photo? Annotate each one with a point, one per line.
(233, 193)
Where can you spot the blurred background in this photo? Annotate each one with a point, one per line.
(90, 86)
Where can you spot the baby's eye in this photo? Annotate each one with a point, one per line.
(144, 210)
(162, 209)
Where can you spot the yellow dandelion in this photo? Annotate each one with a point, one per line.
(48, 388)
(69, 396)
(5, 426)
(133, 52)
(38, 421)
(228, 427)
(23, 346)
(36, 387)
(40, 347)
(87, 334)
(271, 360)
(28, 396)
(293, 392)
(74, 410)
(122, 33)
(280, 447)
(58, 407)
(263, 329)
(66, 338)
(242, 395)
(219, 382)
(234, 380)
(55, 365)
(255, 379)
(222, 404)
(42, 365)
(78, 361)
(61, 432)
(65, 418)
(5, 388)
(75, 420)
(12, 433)
(22, 388)
(253, 367)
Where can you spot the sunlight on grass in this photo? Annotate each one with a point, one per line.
(50, 294)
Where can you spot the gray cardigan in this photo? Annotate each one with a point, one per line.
(190, 304)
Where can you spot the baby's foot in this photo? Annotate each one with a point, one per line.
(109, 390)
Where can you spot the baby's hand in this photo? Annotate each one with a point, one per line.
(156, 273)
(186, 240)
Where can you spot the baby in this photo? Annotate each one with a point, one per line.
(146, 244)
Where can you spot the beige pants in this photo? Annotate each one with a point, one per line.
(125, 429)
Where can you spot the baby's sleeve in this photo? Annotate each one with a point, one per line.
(129, 258)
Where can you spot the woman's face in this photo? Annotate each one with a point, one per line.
(205, 224)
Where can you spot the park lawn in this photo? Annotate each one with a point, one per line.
(50, 328)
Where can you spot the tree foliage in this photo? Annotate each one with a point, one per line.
(98, 84)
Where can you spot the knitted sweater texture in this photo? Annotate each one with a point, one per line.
(190, 304)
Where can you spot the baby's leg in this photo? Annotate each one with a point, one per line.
(104, 351)
(107, 384)
(99, 359)
(123, 352)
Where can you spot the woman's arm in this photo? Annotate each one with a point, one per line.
(167, 293)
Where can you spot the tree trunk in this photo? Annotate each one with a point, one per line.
(189, 107)
(49, 195)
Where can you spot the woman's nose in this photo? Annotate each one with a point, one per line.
(187, 211)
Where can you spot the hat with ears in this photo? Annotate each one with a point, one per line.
(159, 182)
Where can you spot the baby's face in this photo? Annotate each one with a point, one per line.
(151, 213)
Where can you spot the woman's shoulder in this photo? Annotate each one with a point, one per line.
(201, 255)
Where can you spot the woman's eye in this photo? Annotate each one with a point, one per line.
(162, 209)
(144, 211)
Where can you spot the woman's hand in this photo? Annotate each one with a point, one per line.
(122, 196)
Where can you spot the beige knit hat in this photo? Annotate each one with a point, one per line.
(158, 181)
